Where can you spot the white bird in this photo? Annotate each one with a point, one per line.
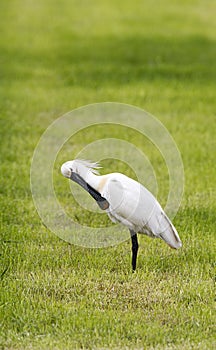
(125, 201)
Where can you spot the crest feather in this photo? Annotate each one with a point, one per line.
(92, 166)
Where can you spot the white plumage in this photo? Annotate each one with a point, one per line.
(135, 207)
(128, 202)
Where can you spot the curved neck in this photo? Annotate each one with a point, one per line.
(93, 180)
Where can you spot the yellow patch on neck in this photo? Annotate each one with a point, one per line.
(102, 183)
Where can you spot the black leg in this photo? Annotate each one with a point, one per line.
(135, 247)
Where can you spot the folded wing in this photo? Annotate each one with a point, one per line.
(135, 207)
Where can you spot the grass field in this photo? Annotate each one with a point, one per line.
(56, 56)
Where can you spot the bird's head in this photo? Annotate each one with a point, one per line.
(79, 171)
(67, 169)
(76, 171)
(80, 167)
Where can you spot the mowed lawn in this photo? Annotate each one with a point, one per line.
(59, 55)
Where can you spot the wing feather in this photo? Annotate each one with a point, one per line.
(134, 206)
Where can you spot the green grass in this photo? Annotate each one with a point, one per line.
(56, 56)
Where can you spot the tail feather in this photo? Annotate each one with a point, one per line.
(170, 234)
(172, 239)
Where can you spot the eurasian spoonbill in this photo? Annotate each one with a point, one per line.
(125, 201)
